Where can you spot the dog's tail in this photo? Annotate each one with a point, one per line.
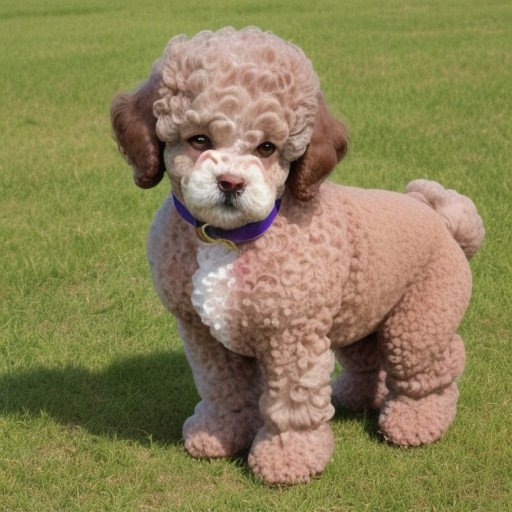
(458, 211)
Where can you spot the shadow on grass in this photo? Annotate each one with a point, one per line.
(368, 419)
(145, 398)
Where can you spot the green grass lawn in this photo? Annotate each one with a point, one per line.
(94, 386)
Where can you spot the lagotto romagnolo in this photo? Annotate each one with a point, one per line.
(273, 272)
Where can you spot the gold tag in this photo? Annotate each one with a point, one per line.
(205, 237)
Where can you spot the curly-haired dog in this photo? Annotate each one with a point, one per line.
(271, 273)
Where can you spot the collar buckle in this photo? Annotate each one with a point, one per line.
(205, 237)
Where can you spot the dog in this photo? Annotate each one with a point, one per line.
(272, 271)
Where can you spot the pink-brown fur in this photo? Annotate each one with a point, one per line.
(377, 279)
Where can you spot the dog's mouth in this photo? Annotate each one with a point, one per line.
(226, 211)
(231, 200)
(230, 211)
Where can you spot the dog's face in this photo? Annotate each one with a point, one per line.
(233, 118)
(228, 174)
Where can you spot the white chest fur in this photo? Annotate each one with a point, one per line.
(212, 282)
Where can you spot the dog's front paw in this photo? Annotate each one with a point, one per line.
(412, 422)
(220, 434)
(291, 457)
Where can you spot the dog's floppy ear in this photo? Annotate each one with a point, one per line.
(328, 145)
(133, 124)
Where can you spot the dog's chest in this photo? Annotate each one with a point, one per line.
(212, 283)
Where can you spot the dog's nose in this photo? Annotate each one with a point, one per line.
(230, 183)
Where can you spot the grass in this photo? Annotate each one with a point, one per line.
(94, 386)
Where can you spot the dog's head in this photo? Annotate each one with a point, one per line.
(234, 118)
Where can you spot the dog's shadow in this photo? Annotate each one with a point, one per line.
(144, 398)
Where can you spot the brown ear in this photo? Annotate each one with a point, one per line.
(133, 123)
(328, 145)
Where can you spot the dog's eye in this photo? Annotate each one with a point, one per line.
(200, 142)
(266, 149)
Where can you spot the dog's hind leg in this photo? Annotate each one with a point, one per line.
(361, 385)
(422, 354)
(226, 420)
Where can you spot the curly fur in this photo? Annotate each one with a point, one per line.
(249, 76)
(376, 279)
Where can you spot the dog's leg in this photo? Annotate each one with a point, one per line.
(227, 418)
(361, 385)
(422, 354)
(296, 441)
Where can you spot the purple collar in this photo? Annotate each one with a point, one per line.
(229, 237)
